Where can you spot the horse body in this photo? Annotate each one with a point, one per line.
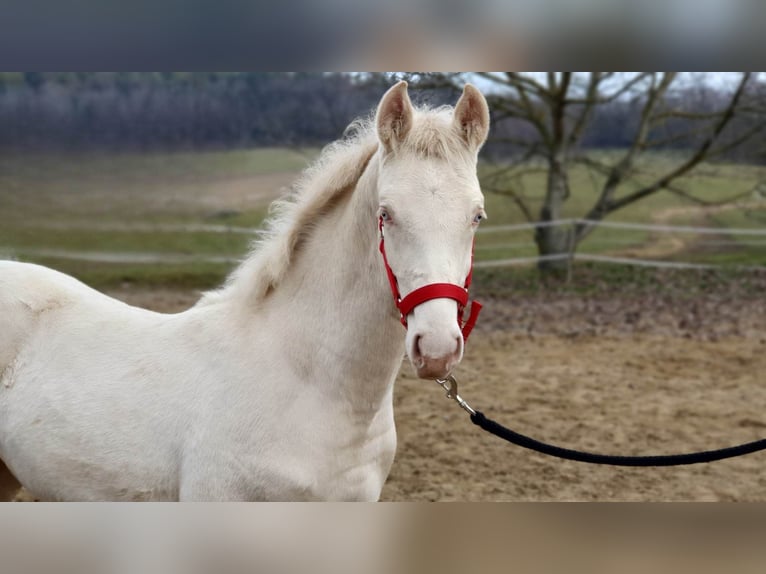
(153, 406)
(277, 387)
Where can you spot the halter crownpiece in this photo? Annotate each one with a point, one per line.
(432, 291)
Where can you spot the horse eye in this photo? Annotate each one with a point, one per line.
(478, 218)
(384, 215)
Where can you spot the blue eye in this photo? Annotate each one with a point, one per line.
(384, 215)
(478, 218)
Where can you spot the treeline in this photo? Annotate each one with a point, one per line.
(193, 110)
(140, 110)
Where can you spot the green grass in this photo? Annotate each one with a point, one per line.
(53, 202)
(708, 182)
(68, 170)
(742, 218)
(169, 187)
(48, 201)
(711, 183)
(122, 241)
(190, 275)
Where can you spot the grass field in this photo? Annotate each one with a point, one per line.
(91, 202)
(54, 207)
(710, 183)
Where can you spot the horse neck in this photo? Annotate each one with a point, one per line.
(335, 300)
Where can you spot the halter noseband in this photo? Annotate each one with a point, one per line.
(432, 291)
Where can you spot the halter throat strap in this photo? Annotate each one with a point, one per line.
(432, 291)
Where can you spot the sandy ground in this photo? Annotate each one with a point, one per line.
(622, 395)
(613, 373)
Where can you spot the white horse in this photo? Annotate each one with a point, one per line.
(278, 386)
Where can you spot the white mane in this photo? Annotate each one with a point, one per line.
(334, 174)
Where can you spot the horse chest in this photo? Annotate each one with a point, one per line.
(328, 475)
(358, 471)
(331, 459)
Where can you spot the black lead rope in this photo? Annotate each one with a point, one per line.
(478, 418)
(499, 430)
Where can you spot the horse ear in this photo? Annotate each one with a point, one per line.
(472, 117)
(394, 116)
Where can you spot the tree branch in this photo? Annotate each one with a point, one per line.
(493, 78)
(679, 137)
(736, 142)
(558, 108)
(623, 167)
(688, 196)
(517, 199)
(516, 79)
(531, 113)
(616, 94)
(589, 104)
(695, 159)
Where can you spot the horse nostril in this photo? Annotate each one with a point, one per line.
(421, 353)
(416, 347)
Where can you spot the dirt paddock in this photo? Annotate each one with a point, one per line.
(624, 395)
(610, 373)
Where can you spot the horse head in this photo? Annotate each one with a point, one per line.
(430, 205)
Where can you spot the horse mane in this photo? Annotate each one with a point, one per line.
(333, 175)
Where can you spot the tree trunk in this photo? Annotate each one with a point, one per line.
(553, 240)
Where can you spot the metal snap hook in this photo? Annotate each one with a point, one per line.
(450, 385)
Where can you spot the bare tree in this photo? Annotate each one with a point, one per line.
(546, 118)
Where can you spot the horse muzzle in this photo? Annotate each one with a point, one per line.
(434, 348)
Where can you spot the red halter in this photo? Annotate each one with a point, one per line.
(432, 291)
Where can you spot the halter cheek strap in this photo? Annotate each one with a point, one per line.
(432, 291)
